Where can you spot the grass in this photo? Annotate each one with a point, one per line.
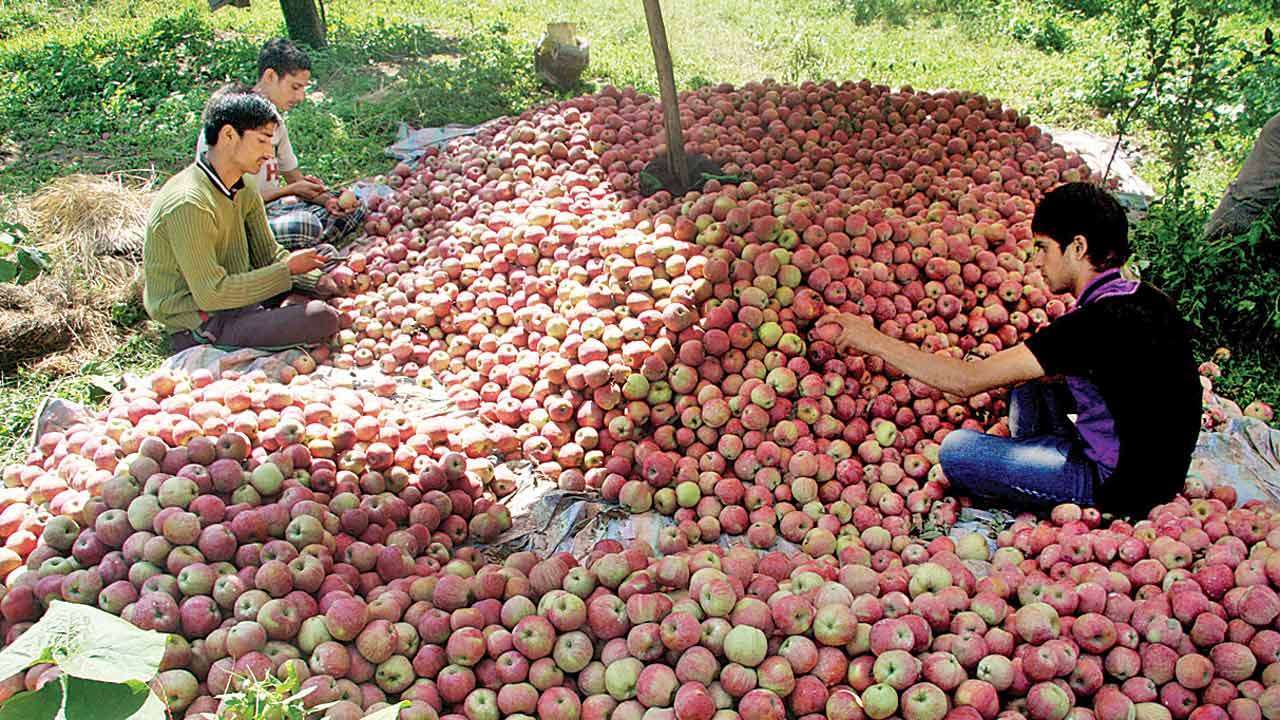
(99, 85)
(130, 90)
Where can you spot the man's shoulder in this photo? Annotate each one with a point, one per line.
(249, 198)
(1146, 318)
(1145, 299)
(282, 128)
(186, 188)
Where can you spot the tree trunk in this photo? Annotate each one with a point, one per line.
(676, 159)
(304, 21)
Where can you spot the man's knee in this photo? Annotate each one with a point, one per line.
(323, 317)
(311, 226)
(954, 444)
(956, 448)
(300, 229)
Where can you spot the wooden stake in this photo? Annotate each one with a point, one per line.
(676, 160)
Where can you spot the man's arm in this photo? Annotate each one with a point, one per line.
(305, 187)
(950, 375)
(271, 194)
(265, 251)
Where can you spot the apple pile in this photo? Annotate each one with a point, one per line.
(247, 440)
(1172, 617)
(234, 506)
(658, 349)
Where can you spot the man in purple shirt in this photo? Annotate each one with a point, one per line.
(1129, 378)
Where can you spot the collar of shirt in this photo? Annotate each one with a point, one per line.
(1107, 284)
(203, 163)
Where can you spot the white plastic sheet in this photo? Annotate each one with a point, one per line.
(412, 144)
(1096, 151)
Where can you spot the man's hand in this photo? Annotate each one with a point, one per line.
(301, 262)
(851, 332)
(306, 188)
(326, 287)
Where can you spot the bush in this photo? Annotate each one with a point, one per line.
(898, 12)
(1259, 88)
(1035, 23)
(15, 21)
(1044, 33)
(1087, 8)
(1226, 289)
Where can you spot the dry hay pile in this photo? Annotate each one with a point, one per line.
(92, 227)
(35, 323)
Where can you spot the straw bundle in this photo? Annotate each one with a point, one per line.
(93, 225)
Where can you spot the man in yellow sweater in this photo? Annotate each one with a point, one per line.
(213, 271)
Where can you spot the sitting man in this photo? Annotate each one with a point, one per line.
(296, 211)
(213, 274)
(1255, 193)
(1128, 366)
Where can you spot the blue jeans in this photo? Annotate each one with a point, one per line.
(1042, 465)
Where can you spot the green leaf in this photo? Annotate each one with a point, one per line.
(93, 700)
(42, 704)
(85, 642)
(11, 234)
(31, 262)
(8, 270)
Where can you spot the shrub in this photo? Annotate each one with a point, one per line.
(1045, 34)
(1226, 289)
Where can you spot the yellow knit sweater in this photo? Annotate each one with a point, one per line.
(209, 248)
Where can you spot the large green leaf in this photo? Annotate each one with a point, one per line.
(8, 270)
(93, 700)
(85, 700)
(42, 704)
(85, 642)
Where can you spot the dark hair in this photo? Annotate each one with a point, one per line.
(1082, 208)
(281, 55)
(238, 106)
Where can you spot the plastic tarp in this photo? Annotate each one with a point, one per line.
(546, 520)
(1096, 151)
(243, 360)
(412, 144)
(1244, 456)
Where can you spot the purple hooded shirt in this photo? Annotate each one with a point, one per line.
(1093, 420)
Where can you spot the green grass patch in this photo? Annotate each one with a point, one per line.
(119, 84)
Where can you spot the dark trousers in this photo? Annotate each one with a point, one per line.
(266, 326)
